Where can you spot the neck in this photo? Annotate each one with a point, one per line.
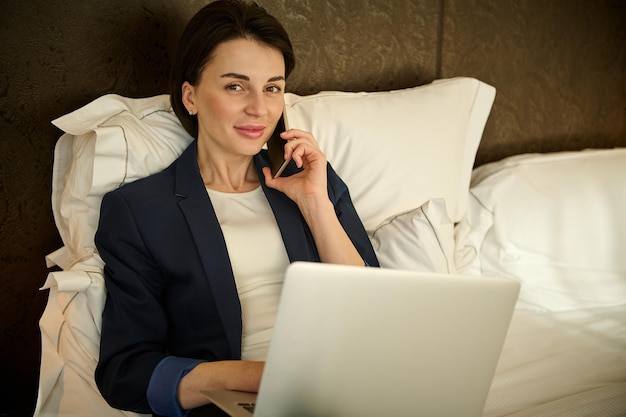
(230, 175)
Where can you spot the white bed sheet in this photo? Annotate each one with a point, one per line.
(570, 363)
(70, 340)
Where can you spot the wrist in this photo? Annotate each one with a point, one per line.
(314, 208)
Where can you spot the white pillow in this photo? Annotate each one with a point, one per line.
(396, 150)
(399, 149)
(417, 240)
(111, 141)
(555, 222)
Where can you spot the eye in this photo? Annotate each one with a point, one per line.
(234, 87)
(273, 89)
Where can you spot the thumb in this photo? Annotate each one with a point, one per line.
(269, 180)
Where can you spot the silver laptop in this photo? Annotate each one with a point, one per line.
(365, 342)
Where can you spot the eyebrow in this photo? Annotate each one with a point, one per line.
(246, 78)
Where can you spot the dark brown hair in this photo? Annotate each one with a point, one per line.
(218, 22)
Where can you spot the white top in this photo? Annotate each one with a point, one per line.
(259, 260)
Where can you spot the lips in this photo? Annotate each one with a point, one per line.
(250, 131)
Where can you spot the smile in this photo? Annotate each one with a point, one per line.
(250, 131)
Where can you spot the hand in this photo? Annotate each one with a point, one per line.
(220, 375)
(310, 183)
(309, 190)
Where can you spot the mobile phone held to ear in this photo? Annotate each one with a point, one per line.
(276, 148)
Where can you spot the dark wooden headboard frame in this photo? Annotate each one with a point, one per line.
(559, 68)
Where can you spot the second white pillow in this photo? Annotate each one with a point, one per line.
(417, 240)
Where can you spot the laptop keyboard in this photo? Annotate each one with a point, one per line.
(247, 406)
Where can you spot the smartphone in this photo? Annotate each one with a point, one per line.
(276, 148)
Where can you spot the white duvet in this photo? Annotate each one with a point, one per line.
(555, 223)
(562, 364)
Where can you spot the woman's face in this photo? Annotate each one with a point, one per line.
(239, 98)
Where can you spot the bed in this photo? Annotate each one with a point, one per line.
(553, 221)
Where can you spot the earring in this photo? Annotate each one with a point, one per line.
(191, 112)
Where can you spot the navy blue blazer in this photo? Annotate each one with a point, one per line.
(170, 285)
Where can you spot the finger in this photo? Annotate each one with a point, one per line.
(296, 155)
(292, 145)
(293, 134)
(270, 181)
(266, 171)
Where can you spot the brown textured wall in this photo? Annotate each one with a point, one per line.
(355, 45)
(559, 67)
(55, 56)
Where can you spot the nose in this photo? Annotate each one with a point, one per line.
(256, 105)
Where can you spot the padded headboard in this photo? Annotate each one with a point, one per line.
(559, 68)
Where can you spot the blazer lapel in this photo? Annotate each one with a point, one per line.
(206, 232)
(296, 234)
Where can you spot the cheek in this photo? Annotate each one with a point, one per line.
(223, 110)
(276, 110)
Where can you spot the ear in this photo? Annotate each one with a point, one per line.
(189, 97)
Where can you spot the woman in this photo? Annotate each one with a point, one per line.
(195, 255)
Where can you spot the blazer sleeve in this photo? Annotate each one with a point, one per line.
(349, 218)
(134, 324)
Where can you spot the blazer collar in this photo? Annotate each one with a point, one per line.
(296, 234)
